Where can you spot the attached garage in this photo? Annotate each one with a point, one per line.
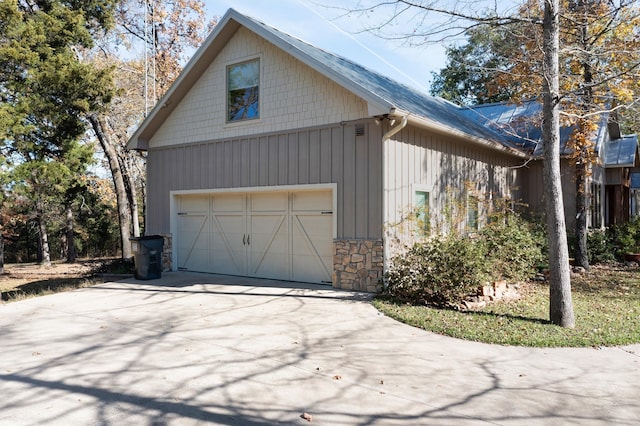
(276, 234)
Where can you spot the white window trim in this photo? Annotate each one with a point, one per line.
(418, 187)
(250, 121)
(477, 211)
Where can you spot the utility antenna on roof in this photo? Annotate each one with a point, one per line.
(149, 50)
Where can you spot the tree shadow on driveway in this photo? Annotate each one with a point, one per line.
(263, 354)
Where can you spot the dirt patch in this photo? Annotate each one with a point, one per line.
(31, 279)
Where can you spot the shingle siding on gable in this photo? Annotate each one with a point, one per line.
(292, 95)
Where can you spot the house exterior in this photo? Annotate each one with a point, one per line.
(271, 158)
(610, 190)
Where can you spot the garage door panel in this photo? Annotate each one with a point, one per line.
(277, 235)
(193, 227)
(307, 269)
(270, 265)
(269, 246)
(269, 202)
(228, 203)
(197, 261)
(193, 247)
(312, 248)
(225, 262)
(194, 204)
(318, 225)
(312, 201)
(228, 244)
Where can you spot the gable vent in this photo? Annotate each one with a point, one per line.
(359, 130)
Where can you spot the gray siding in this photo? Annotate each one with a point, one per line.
(416, 158)
(534, 190)
(331, 154)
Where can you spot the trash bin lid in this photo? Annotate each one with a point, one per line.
(150, 237)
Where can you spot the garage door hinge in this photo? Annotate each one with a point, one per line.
(326, 213)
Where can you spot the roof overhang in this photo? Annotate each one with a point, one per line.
(230, 23)
(190, 74)
(209, 50)
(437, 127)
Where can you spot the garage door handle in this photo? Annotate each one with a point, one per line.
(248, 240)
(243, 238)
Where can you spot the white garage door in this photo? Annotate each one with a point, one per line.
(278, 235)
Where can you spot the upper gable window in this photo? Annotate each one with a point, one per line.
(243, 87)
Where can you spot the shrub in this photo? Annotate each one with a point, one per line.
(439, 272)
(626, 237)
(513, 248)
(443, 271)
(600, 247)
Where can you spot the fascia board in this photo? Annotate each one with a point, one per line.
(207, 52)
(375, 102)
(447, 130)
(192, 71)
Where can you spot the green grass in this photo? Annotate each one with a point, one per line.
(606, 306)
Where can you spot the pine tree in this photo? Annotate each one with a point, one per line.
(45, 90)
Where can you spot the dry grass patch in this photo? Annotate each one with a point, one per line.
(23, 281)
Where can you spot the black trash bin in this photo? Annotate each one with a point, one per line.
(147, 256)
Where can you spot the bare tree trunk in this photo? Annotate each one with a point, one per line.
(1, 251)
(560, 303)
(583, 159)
(43, 237)
(71, 243)
(124, 209)
(132, 193)
(135, 211)
(581, 253)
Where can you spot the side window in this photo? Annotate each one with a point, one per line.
(423, 223)
(243, 91)
(472, 213)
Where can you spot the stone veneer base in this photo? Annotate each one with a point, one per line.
(358, 264)
(167, 250)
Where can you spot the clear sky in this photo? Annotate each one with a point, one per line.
(316, 24)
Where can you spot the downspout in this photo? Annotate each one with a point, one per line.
(385, 189)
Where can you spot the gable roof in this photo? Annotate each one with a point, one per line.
(621, 152)
(383, 95)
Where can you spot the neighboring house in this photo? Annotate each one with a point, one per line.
(610, 190)
(271, 158)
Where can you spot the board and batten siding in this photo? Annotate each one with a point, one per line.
(292, 96)
(533, 187)
(416, 159)
(328, 154)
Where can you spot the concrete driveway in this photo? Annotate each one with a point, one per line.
(205, 349)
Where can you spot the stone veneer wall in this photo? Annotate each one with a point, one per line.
(358, 264)
(167, 249)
